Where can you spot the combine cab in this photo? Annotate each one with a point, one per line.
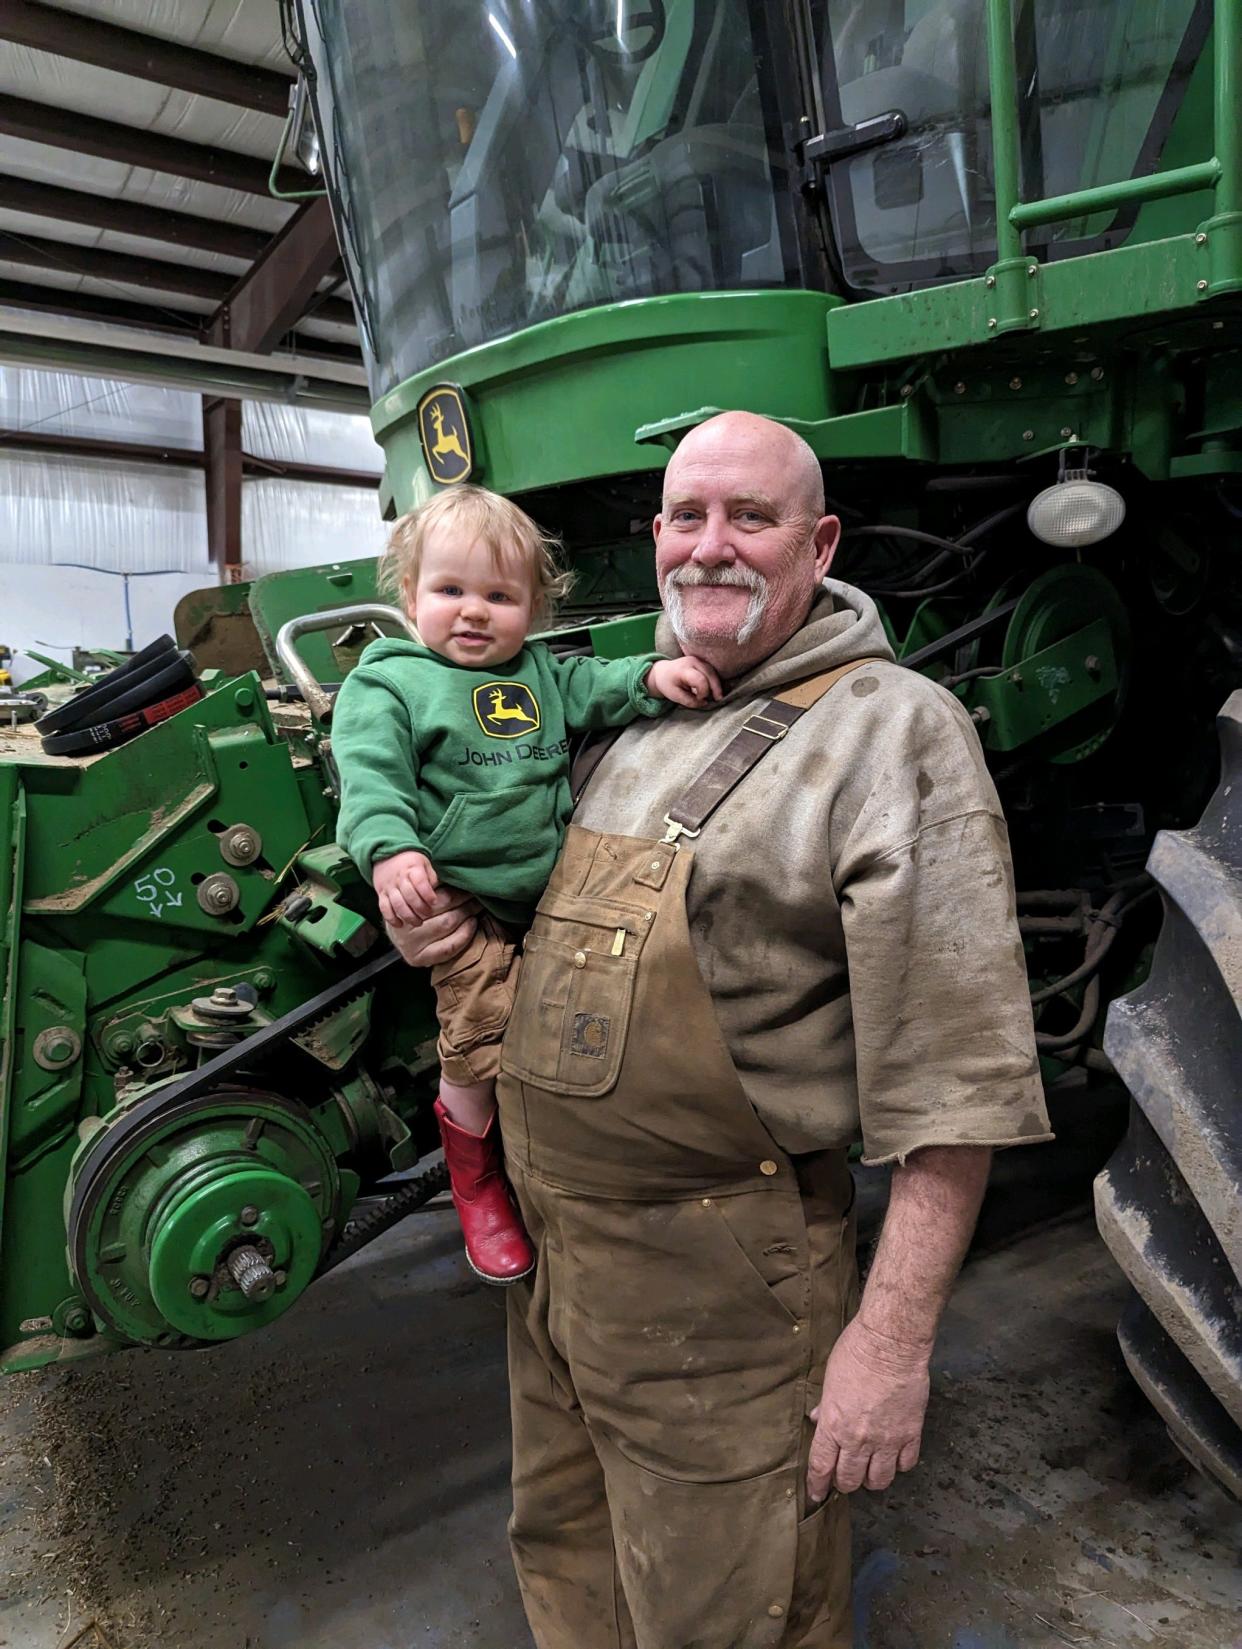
(986, 257)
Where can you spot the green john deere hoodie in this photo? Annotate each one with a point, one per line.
(471, 766)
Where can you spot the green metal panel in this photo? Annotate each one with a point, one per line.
(561, 401)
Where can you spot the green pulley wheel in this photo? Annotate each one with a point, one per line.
(231, 1252)
(1056, 605)
(203, 1221)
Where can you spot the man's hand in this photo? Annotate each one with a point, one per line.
(869, 1422)
(406, 885)
(443, 935)
(686, 681)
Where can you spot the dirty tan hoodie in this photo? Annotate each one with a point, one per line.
(851, 904)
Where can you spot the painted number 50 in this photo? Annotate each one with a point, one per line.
(155, 890)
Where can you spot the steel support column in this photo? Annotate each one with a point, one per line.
(264, 305)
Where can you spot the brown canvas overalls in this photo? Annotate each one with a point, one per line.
(691, 1278)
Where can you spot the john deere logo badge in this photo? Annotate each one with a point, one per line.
(444, 430)
(506, 709)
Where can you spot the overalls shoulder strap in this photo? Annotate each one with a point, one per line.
(762, 729)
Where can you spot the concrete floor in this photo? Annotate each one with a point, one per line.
(339, 1482)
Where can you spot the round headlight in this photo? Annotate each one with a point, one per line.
(1075, 512)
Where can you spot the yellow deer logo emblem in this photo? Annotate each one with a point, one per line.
(506, 709)
(500, 711)
(444, 430)
(444, 444)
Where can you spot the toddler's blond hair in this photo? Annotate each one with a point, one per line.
(481, 517)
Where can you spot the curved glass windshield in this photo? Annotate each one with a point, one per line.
(501, 162)
(1099, 84)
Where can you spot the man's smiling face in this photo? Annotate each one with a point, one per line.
(741, 539)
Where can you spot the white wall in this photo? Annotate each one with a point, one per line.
(79, 536)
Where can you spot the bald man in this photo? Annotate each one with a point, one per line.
(775, 929)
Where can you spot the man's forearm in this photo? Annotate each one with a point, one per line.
(932, 1209)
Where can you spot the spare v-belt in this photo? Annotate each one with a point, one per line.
(761, 730)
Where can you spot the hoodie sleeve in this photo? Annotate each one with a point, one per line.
(376, 752)
(604, 692)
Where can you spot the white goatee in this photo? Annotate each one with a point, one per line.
(736, 577)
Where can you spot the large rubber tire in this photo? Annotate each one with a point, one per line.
(1169, 1203)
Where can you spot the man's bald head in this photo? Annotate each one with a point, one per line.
(722, 438)
(742, 540)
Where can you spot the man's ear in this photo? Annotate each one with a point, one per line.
(656, 525)
(826, 538)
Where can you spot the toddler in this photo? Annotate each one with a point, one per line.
(454, 761)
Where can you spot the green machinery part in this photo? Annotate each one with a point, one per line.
(205, 1223)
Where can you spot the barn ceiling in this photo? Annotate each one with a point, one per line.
(136, 140)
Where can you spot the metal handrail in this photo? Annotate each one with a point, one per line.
(365, 612)
(1223, 172)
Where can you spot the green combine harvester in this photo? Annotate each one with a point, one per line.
(986, 257)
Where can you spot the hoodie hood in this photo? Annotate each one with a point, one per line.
(842, 625)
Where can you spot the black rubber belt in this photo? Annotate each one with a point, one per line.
(148, 688)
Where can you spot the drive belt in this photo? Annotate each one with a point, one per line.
(118, 1135)
(146, 689)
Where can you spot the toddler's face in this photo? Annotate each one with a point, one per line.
(466, 607)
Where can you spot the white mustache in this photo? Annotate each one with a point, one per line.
(692, 576)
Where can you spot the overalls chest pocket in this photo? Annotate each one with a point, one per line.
(575, 994)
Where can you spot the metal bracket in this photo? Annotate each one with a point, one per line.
(826, 149)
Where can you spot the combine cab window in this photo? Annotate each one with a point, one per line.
(502, 162)
(1099, 85)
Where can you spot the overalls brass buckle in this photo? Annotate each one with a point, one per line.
(748, 726)
(676, 829)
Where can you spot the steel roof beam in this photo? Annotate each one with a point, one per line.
(109, 140)
(179, 322)
(145, 56)
(131, 217)
(158, 274)
(276, 292)
(142, 452)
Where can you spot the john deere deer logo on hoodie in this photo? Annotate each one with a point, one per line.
(506, 709)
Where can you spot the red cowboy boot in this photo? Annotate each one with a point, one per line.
(497, 1247)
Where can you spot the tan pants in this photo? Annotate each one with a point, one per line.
(691, 1280)
(474, 998)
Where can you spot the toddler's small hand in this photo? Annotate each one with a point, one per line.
(690, 682)
(406, 885)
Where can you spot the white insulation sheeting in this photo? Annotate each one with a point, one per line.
(119, 517)
(65, 403)
(98, 551)
(308, 435)
(300, 523)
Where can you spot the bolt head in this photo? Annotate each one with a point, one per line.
(1034, 314)
(1092, 665)
(991, 323)
(1067, 433)
(990, 281)
(959, 389)
(224, 994)
(1028, 434)
(77, 1319)
(1201, 286)
(1032, 270)
(200, 1287)
(1097, 372)
(907, 390)
(249, 1215)
(1015, 383)
(1071, 377)
(1200, 239)
(120, 1046)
